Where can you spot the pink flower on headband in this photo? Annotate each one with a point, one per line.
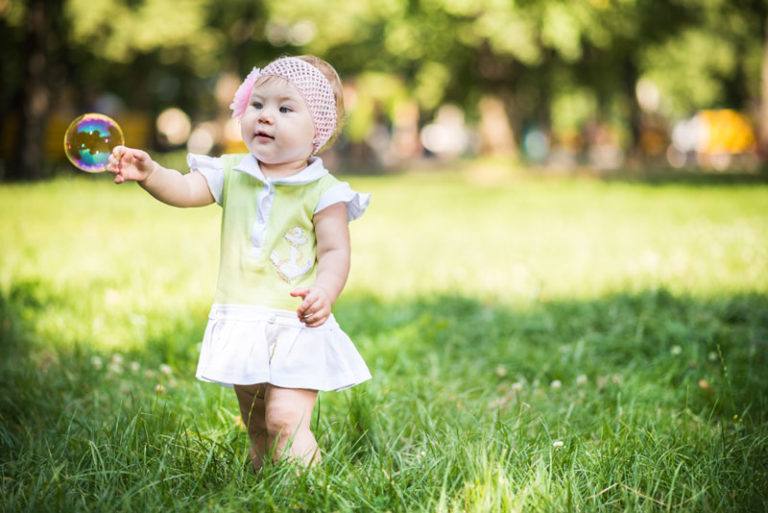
(311, 84)
(243, 94)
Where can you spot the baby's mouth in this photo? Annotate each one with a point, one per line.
(264, 135)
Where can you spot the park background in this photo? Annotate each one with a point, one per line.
(560, 286)
(601, 83)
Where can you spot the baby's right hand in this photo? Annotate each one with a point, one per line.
(130, 164)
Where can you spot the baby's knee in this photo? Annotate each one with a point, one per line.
(282, 419)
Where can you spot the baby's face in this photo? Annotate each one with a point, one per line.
(277, 126)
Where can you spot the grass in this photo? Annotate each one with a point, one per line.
(536, 345)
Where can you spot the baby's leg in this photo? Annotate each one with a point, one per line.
(251, 400)
(288, 416)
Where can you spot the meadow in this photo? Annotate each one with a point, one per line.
(536, 344)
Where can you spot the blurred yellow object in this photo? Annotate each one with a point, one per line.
(726, 131)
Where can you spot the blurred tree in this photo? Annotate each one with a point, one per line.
(38, 35)
(553, 63)
(714, 61)
(526, 53)
(763, 116)
(151, 54)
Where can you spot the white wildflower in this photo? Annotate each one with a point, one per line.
(581, 380)
(556, 384)
(166, 369)
(96, 362)
(558, 444)
(159, 389)
(676, 350)
(135, 367)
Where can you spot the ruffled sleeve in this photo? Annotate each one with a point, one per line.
(356, 202)
(212, 168)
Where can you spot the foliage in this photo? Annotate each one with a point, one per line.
(160, 53)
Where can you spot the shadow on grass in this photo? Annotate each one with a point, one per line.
(717, 347)
(40, 381)
(435, 359)
(696, 177)
(670, 341)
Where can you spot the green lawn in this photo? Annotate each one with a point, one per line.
(544, 344)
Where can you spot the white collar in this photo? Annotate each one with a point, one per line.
(313, 172)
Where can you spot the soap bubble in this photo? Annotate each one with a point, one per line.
(89, 140)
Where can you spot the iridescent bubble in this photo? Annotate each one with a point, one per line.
(89, 141)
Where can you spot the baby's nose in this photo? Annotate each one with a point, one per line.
(266, 115)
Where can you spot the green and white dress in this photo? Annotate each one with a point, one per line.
(268, 248)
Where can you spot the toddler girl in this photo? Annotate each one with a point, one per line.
(284, 252)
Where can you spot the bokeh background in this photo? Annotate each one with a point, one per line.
(567, 85)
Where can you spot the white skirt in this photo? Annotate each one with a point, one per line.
(245, 345)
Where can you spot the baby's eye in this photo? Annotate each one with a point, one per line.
(285, 109)
(257, 105)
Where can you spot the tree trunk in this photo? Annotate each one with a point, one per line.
(763, 121)
(35, 94)
(635, 116)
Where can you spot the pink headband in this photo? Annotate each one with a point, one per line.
(311, 84)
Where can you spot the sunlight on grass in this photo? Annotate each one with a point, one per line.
(128, 259)
(132, 261)
(572, 238)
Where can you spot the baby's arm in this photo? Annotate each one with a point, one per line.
(332, 230)
(167, 185)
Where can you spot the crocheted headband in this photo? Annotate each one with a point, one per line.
(311, 84)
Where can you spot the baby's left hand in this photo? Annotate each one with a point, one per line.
(316, 307)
